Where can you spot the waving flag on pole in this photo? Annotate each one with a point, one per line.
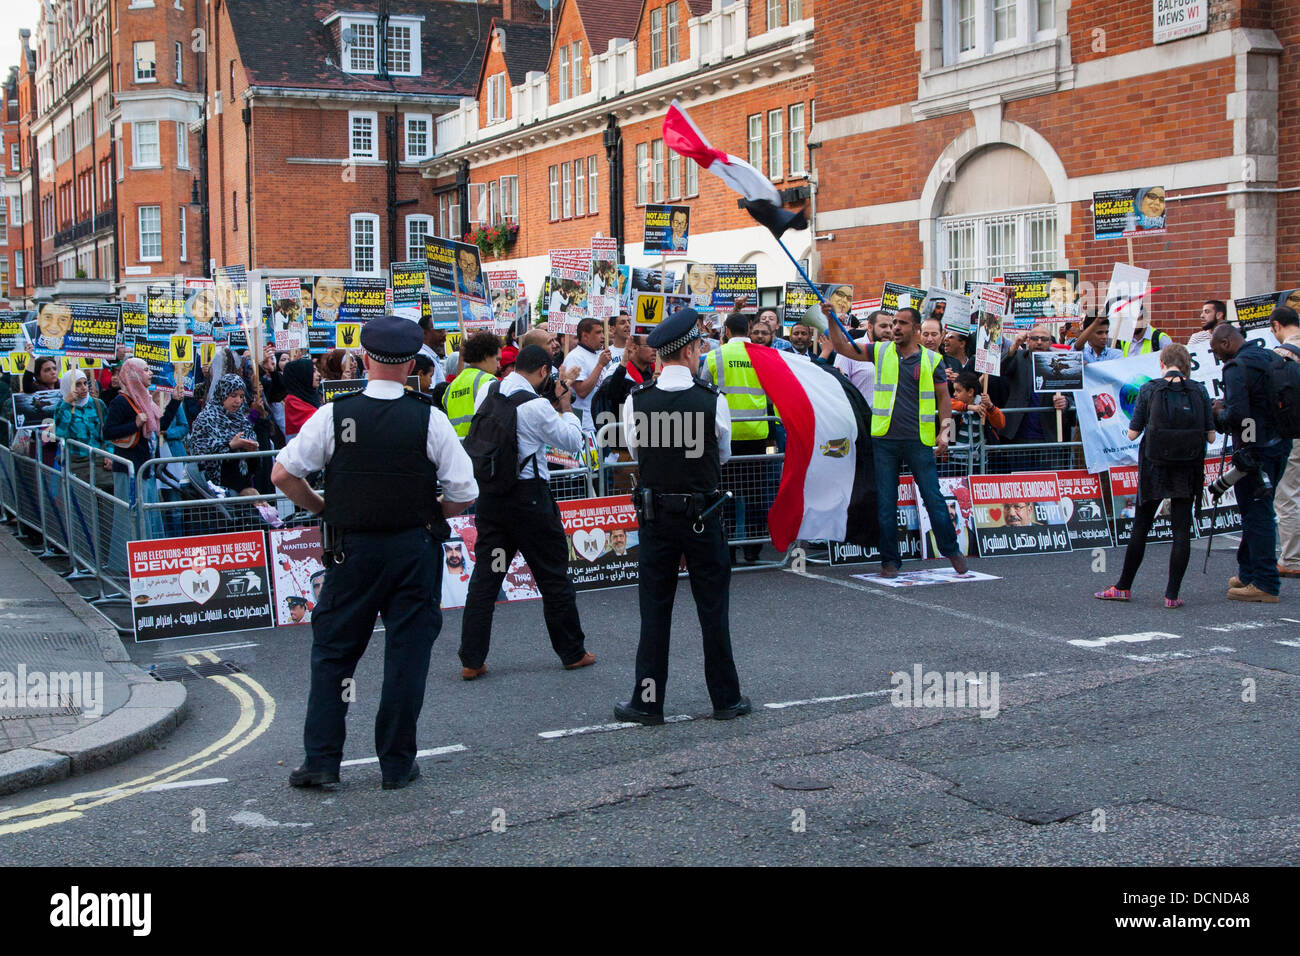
(821, 448)
(762, 201)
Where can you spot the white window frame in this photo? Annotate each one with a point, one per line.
(794, 11)
(554, 180)
(566, 189)
(798, 145)
(509, 186)
(1027, 256)
(754, 140)
(774, 13)
(580, 187)
(180, 67)
(417, 228)
(564, 71)
(496, 98)
(656, 38)
(19, 278)
(577, 68)
(353, 117)
(593, 193)
(657, 168)
(349, 56)
(692, 178)
(478, 203)
(184, 234)
(15, 157)
(136, 59)
(1027, 29)
(672, 32)
(141, 233)
(410, 155)
(494, 202)
(776, 144)
(137, 161)
(412, 28)
(642, 174)
(674, 176)
(182, 145)
(355, 220)
(4, 277)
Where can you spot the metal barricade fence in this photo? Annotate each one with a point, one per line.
(174, 498)
(25, 480)
(99, 523)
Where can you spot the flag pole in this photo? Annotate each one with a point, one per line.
(818, 292)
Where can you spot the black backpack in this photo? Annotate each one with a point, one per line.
(1284, 393)
(493, 441)
(1176, 430)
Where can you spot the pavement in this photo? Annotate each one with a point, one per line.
(95, 707)
(1119, 734)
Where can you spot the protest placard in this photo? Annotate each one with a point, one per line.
(347, 335)
(208, 584)
(459, 558)
(1057, 370)
(667, 229)
(1084, 509)
(897, 296)
(20, 362)
(1125, 297)
(861, 309)
(200, 308)
(231, 284)
(409, 286)
(1121, 213)
(1217, 515)
(165, 305)
(949, 307)
(989, 303)
(1019, 514)
(1253, 311)
(649, 312)
(156, 352)
(602, 536)
(1049, 296)
(133, 321)
(570, 275)
(1123, 504)
(503, 284)
(13, 337)
(181, 349)
(32, 408)
(956, 494)
(298, 566)
(909, 532)
(603, 283)
(715, 287)
(75, 328)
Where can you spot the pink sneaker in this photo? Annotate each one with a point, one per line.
(1173, 602)
(1112, 593)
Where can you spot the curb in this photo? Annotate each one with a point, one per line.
(152, 711)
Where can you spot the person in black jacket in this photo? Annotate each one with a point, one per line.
(1260, 452)
(1159, 477)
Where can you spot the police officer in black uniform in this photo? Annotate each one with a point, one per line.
(384, 452)
(679, 428)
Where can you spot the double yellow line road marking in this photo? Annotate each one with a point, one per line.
(247, 728)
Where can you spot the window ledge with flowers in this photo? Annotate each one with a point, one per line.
(494, 239)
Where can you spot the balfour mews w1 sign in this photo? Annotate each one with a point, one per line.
(1175, 19)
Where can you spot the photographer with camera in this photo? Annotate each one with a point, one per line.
(1173, 417)
(1258, 457)
(513, 424)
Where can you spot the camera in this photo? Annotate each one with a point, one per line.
(1243, 464)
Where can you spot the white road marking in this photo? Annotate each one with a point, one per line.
(250, 819)
(450, 749)
(200, 650)
(781, 705)
(182, 784)
(1288, 643)
(1243, 626)
(603, 728)
(1179, 655)
(1139, 638)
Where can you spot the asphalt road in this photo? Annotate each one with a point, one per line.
(1121, 736)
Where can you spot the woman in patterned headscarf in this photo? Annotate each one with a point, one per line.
(221, 428)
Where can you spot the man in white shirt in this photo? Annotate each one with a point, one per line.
(524, 519)
(585, 365)
(1213, 313)
(384, 452)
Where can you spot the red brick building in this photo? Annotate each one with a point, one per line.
(958, 139)
(567, 142)
(15, 184)
(318, 117)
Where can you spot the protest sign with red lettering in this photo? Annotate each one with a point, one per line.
(458, 560)
(956, 494)
(1018, 514)
(1123, 500)
(298, 565)
(602, 535)
(208, 584)
(1084, 509)
(1217, 515)
(909, 532)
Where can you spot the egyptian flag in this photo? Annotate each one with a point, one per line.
(762, 201)
(821, 452)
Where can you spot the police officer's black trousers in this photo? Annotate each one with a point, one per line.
(396, 575)
(663, 541)
(528, 522)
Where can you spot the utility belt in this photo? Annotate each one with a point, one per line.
(697, 506)
(334, 541)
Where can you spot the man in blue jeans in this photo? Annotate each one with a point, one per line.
(911, 421)
(1259, 451)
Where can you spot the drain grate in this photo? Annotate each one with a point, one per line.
(66, 708)
(184, 672)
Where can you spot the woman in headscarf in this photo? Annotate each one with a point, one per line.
(302, 398)
(221, 428)
(44, 375)
(80, 417)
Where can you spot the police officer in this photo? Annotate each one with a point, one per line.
(479, 354)
(730, 370)
(384, 451)
(678, 506)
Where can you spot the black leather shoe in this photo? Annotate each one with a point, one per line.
(626, 712)
(739, 710)
(399, 784)
(325, 779)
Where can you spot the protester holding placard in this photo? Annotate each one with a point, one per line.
(133, 425)
(1174, 419)
(221, 428)
(302, 394)
(1093, 338)
(80, 418)
(1018, 370)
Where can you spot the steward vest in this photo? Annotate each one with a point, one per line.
(380, 477)
(736, 379)
(1148, 343)
(886, 390)
(458, 399)
(669, 429)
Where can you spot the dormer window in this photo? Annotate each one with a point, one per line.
(362, 55)
(360, 49)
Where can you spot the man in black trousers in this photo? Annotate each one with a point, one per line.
(679, 428)
(384, 452)
(525, 519)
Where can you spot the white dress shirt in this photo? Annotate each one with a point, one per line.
(584, 360)
(678, 378)
(432, 356)
(538, 425)
(861, 374)
(312, 447)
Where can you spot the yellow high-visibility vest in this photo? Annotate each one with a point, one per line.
(1147, 343)
(886, 390)
(736, 379)
(458, 400)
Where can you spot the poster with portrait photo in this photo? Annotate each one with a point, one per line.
(13, 335)
(409, 282)
(715, 287)
(602, 537)
(459, 558)
(133, 321)
(75, 328)
(297, 565)
(284, 300)
(32, 408)
(200, 308)
(1084, 507)
(1019, 514)
(165, 305)
(667, 229)
(799, 298)
(156, 351)
(989, 305)
(1217, 515)
(1253, 311)
(951, 308)
(503, 285)
(956, 495)
(231, 283)
(896, 296)
(1046, 296)
(1121, 213)
(603, 282)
